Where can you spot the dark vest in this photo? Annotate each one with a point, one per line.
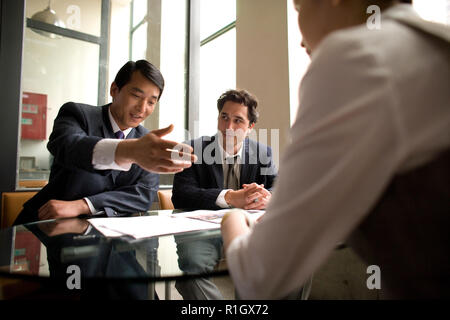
(407, 234)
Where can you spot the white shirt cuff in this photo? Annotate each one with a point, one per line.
(104, 155)
(91, 206)
(220, 201)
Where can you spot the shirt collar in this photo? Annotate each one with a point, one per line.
(114, 125)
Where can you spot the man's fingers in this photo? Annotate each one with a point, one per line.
(44, 215)
(182, 156)
(169, 160)
(168, 171)
(255, 206)
(176, 156)
(251, 188)
(179, 151)
(169, 166)
(162, 132)
(265, 192)
(44, 206)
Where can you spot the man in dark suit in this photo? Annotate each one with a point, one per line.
(102, 156)
(231, 171)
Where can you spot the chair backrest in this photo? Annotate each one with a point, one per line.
(12, 203)
(165, 199)
(32, 183)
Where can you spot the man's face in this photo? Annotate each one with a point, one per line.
(134, 102)
(315, 19)
(309, 22)
(318, 18)
(233, 123)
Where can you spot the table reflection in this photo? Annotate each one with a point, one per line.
(111, 268)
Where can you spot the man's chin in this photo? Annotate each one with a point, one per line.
(134, 123)
(231, 140)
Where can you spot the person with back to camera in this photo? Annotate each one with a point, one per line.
(368, 160)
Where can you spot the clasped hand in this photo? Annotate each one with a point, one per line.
(251, 197)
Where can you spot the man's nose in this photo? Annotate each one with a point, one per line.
(230, 125)
(141, 105)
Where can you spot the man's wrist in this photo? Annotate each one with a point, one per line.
(83, 207)
(124, 152)
(229, 197)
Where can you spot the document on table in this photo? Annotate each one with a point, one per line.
(151, 226)
(215, 216)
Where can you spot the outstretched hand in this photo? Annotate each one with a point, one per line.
(155, 154)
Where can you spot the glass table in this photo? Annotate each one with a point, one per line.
(69, 257)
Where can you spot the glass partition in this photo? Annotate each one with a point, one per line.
(78, 15)
(55, 69)
(68, 56)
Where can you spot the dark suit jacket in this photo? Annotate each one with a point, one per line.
(199, 186)
(77, 129)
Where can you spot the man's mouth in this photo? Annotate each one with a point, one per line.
(136, 117)
(229, 133)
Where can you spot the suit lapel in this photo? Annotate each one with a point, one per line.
(108, 132)
(106, 125)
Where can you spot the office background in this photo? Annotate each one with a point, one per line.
(70, 50)
(203, 47)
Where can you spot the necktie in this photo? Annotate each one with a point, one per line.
(232, 180)
(119, 134)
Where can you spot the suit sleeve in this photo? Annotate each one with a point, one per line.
(133, 194)
(269, 172)
(187, 193)
(69, 142)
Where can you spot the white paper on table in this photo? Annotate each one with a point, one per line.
(215, 216)
(149, 226)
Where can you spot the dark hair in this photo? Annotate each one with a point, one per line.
(243, 97)
(147, 69)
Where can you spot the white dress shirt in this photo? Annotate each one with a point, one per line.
(103, 157)
(372, 104)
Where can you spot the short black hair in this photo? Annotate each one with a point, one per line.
(147, 69)
(243, 97)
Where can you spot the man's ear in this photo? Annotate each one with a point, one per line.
(251, 126)
(113, 90)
